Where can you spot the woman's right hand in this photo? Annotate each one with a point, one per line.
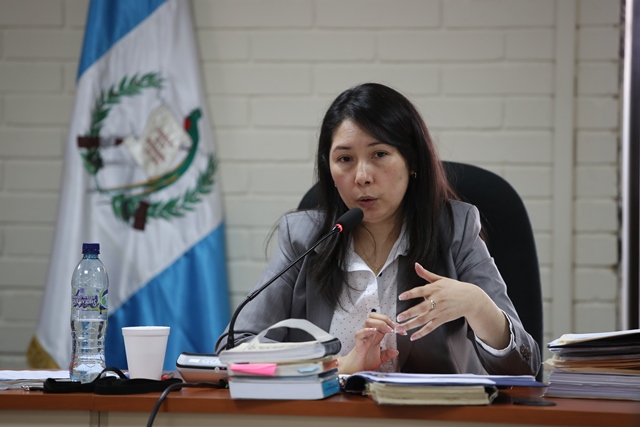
(366, 355)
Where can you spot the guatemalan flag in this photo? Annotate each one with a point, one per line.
(141, 179)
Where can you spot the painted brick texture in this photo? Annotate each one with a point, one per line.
(482, 73)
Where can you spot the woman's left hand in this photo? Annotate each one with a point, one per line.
(367, 354)
(444, 300)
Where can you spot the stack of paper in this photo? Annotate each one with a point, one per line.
(271, 370)
(596, 365)
(433, 389)
(27, 379)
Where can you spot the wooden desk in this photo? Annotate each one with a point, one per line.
(200, 407)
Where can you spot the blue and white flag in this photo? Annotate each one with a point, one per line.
(141, 179)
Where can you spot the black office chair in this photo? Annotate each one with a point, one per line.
(508, 235)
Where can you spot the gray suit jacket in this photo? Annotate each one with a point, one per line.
(451, 348)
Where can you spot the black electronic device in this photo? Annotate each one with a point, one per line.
(196, 367)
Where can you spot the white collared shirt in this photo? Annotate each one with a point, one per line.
(366, 293)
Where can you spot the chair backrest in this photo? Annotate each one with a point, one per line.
(508, 235)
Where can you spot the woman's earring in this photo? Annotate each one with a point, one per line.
(414, 175)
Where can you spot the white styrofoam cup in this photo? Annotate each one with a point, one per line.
(145, 347)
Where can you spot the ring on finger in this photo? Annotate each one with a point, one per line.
(433, 304)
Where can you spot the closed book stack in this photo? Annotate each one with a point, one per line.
(597, 366)
(296, 381)
(272, 370)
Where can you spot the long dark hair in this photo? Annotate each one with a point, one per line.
(392, 119)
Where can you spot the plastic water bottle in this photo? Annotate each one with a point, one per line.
(89, 304)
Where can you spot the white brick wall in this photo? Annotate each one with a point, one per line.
(19, 13)
(596, 223)
(482, 72)
(378, 14)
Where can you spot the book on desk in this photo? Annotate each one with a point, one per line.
(433, 389)
(301, 380)
(301, 387)
(285, 369)
(604, 365)
(274, 370)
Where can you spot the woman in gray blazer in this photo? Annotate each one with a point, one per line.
(413, 287)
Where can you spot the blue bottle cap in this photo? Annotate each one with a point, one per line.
(91, 248)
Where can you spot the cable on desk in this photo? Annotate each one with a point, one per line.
(172, 387)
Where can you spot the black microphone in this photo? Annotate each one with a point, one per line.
(346, 222)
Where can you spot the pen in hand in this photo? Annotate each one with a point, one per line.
(394, 330)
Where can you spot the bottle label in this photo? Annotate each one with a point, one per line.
(90, 302)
